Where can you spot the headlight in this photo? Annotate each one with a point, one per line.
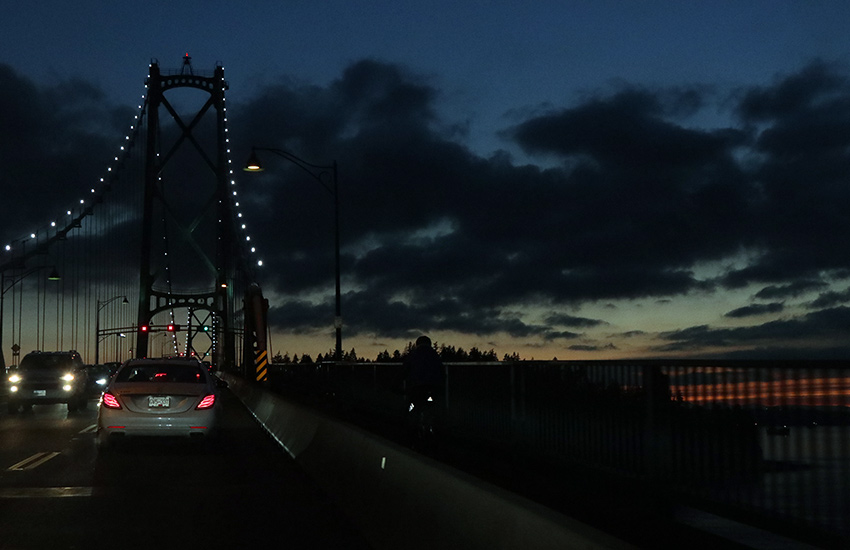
(67, 377)
(15, 378)
(101, 381)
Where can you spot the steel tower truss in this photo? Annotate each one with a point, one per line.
(210, 312)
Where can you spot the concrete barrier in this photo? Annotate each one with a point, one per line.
(400, 499)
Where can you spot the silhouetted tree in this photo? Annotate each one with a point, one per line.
(479, 356)
(447, 353)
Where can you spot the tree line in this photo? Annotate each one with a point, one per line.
(449, 354)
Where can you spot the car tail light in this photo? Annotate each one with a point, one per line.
(109, 401)
(207, 402)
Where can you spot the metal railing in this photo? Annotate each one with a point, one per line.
(768, 442)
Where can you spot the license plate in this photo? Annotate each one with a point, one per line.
(159, 402)
(39, 393)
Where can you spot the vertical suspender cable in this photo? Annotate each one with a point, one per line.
(40, 304)
(20, 315)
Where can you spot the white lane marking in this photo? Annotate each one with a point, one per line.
(90, 429)
(45, 492)
(34, 461)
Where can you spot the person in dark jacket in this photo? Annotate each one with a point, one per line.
(423, 382)
(423, 372)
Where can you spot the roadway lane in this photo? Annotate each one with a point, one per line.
(56, 491)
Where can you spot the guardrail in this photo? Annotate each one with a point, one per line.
(767, 443)
(400, 499)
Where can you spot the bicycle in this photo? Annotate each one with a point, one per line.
(422, 422)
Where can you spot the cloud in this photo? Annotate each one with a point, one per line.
(585, 347)
(803, 335)
(565, 320)
(755, 309)
(801, 135)
(830, 299)
(790, 290)
(518, 233)
(627, 131)
(438, 237)
(55, 143)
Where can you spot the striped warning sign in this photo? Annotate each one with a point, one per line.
(261, 364)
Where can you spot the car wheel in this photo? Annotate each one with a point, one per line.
(73, 405)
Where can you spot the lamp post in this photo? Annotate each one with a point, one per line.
(54, 276)
(100, 306)
(120, 335)
(316, 172)
(161, 344)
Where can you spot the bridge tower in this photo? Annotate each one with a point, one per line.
(190, 263)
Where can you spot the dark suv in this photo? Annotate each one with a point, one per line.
(48, 377)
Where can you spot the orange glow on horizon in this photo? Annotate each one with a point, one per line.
(825, 391)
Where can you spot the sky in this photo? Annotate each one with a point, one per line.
(580, 180)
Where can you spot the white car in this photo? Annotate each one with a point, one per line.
(160, 397)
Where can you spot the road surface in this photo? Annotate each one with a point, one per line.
(57, 491)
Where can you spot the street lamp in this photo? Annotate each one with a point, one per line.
(100, 306)
(54, 276)
(316, 172)
(120, 335)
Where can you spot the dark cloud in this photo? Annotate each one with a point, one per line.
(585, 347)
(792, 94)
(626, 131)
(755, 309)
(790, 290)
(830, 299)
(437, 237)
(800, 167)
(565, 320)
(828, 327)
(55, 143)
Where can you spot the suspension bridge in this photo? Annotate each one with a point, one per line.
(155, 259)
(161, 230)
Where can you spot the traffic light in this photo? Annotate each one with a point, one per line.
(205, 328)
(171, 327)
(143, 328)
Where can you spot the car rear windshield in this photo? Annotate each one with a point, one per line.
(182, 374)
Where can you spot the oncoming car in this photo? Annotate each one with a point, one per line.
(48, 377)
(159, 397)
(98, 377)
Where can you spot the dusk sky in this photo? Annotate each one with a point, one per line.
(580, 180)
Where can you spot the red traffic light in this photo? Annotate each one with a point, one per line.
(170, 327)
(143, 328)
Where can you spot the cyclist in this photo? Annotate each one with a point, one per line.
(423, 381)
